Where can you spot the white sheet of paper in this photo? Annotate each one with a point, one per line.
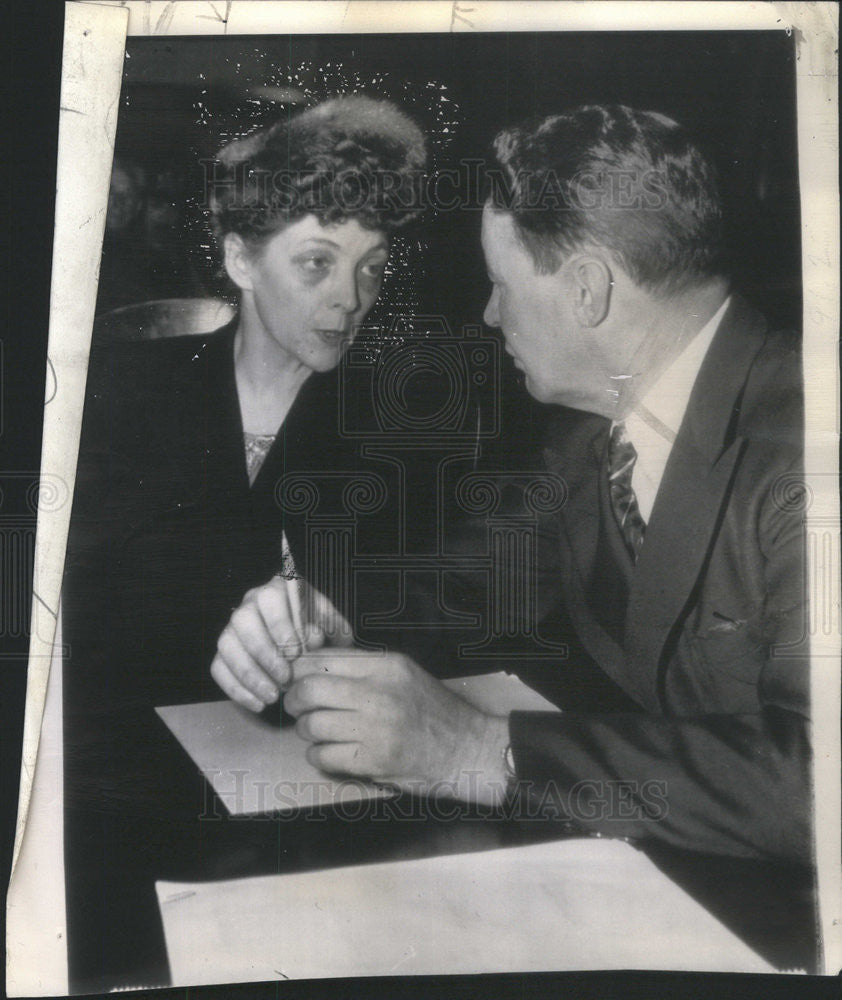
(576, 904)
(255, 767)
(500, 693)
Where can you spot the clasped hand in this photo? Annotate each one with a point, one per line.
(261, 640)
(372, 715)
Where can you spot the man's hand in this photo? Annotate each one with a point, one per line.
(265, 634)
(383, 717)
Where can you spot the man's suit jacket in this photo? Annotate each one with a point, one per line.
(714, 657)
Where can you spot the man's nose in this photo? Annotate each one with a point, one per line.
(491, 316)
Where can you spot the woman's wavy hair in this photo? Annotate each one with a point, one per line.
(350, 157)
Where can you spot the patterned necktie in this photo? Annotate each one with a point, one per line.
(621, 459)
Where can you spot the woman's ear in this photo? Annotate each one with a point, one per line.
(592, 286)
(238, 261)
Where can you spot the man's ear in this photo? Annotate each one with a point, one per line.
(238, 261)
(591, 286)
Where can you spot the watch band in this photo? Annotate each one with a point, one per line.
(509, 764)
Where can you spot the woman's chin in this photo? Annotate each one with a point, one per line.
(325, 360)
(328, 351)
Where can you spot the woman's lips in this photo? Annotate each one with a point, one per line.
(331, 336)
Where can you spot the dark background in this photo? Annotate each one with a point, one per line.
(736, 90)
(183, 98)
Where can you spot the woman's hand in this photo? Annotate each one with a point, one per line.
(381, 716)
(264, 636)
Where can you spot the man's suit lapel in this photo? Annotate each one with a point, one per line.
(688, 507)
(575, 453)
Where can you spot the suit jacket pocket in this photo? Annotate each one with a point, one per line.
(731, 643)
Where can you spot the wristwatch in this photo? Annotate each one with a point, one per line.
(509, 766)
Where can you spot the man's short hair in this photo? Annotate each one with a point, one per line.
(630, 182)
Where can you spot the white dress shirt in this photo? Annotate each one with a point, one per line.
(653, 424)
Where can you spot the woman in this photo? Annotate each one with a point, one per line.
(178, 508)
(179, 502)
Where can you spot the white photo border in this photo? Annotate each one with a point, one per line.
(94, 46)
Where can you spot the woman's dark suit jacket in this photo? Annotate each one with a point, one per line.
(166, 534)
(166, 538)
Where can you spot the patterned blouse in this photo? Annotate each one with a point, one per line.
(257, 448)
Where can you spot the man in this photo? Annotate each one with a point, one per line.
(679, 553)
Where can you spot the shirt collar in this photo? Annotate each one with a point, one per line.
(664, 405)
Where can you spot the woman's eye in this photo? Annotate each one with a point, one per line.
(315, 263)
(374, 270)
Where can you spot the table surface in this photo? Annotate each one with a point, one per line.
(138, 810)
